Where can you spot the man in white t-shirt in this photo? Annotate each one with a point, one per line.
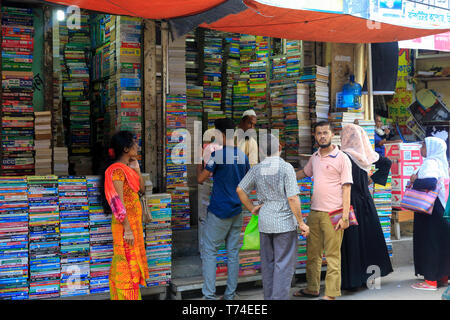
(246, 136)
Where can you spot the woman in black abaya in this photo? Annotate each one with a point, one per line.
(431, 238)
(363, 245)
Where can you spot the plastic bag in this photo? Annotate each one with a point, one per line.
(251, 235)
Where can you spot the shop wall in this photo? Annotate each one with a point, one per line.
(441, 86)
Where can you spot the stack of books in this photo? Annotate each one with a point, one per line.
(60, 161)
(382, 197)
(303, 117)
(158, 239)
(42, 142)
(45, 261)
(317, 78)
(241, 99)
(76, 84)
(305, 186)
(339, 119)
(232, 69)
(212, 73)
(176, 183)
(258, 82)
(100, 238)
(17, 93)
(74, 212)
(249, 260)
(13, 238)
(128, 77)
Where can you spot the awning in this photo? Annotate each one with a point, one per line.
(345, 21)
(279, 22)
(149, 9)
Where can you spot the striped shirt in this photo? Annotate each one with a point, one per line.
(275, 181)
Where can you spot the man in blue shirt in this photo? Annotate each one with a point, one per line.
(224, 220)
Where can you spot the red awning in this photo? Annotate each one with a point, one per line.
(265, 20)
(149, 9)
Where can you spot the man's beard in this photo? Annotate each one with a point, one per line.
(323, 146)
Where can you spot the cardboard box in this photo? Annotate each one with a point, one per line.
(399, 183)
(404, 152)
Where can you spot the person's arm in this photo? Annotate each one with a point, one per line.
(248, 204)
(306, 171)
(425, 184)
(128, 233)
(294, 204)
(204, 175)
(300, 174)
(344, 222)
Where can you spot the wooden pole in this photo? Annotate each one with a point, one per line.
(48, 71)
(165, 91)
(370, 112)
(150, 134)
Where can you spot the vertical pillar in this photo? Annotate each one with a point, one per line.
(370, 112)
(149, 68)
(165, 91)
(48, 69)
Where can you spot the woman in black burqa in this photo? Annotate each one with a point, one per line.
(431, 237)
(363, 246)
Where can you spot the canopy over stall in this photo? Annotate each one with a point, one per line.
(326, 21)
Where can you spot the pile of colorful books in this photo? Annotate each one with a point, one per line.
(45, 261)
(17, 93)
(74, 213)
(13, 238)
(100, 238)
(212, 73)
(158, 239)
(176, 183)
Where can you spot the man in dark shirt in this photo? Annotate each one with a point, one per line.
(224, 219)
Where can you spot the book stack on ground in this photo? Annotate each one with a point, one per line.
(249, 260)
(17, 92)
(13, 238)
(45, 262)
(60, 161)
(176, 183)
(74, 212)
(382, 197)
(42, 142)
(304, 186)
(100, 238)
(158, 239)
(212, 73)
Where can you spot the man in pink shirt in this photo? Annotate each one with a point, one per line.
(332, 172)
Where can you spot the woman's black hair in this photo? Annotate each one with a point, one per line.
(119, 142)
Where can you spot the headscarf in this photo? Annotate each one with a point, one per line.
(435, 164)
(356, 143)
(117, 207)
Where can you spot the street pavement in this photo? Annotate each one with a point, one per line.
(395, 286)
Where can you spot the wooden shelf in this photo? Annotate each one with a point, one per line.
(426, 79)
(433, 56)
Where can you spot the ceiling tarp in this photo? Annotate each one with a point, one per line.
(288, 23)
(149, 9)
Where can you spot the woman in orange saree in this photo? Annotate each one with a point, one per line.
(123, 181)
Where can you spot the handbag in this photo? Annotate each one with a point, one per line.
(146, 214)
(251, 235)
(419, 201)
(336, 215)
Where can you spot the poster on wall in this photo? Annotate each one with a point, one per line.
(439, 42)
(403, 96)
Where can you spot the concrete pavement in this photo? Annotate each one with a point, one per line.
(395, 286)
